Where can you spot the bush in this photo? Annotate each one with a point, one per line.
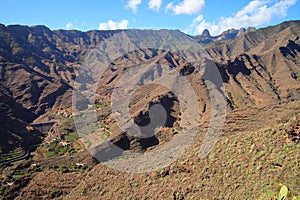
(64, 169)
(2, 189)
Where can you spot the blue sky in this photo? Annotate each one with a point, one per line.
(190, 16)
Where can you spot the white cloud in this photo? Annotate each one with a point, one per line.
(154, 5)
(70, 25)
(186, 7)
(256, 13)
(133, 4)
(112, 25)
(75, 25)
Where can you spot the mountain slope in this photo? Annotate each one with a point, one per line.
(38, 67)
(260, 69)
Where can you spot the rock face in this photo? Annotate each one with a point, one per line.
(206, 38)
(206, 33)
(38, 67)
(250, 29)
(241, 32)
(229, 34)
(261, 66)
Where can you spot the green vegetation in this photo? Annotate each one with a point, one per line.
(10, 155)
(281, 195)
(103, 117)
(59, 148)
(66, 146)
(71, 137)
(68, 143)
(68, 169)
(64, 169)
(219, 42)
(2, 189)
(179, 128)
(50, 154)
(100, 105)
(33, 170)
(17, 176)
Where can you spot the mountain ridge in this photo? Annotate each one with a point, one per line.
(260, 71)
(38, 66)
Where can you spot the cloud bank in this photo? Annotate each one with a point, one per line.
(155, 5)
(133, 5)
(112, 25)
(186, 7)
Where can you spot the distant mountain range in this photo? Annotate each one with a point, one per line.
(206, 38)
(38, 67)
(260, 69)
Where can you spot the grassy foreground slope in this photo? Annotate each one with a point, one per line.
(250, 161)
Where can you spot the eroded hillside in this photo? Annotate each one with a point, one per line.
(260, 141)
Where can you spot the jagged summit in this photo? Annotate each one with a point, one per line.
(241, 31)
(206, 37)
(205, 33)
(250, 29)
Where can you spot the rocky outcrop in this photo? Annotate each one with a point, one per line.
(206, 38)
(206, 33)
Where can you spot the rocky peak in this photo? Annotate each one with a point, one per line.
(250, 29)
(229, 34)
(205, 33)
(241, 31)
(41, 30)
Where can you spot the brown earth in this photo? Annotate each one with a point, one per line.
(249, 160)
(258, 148)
